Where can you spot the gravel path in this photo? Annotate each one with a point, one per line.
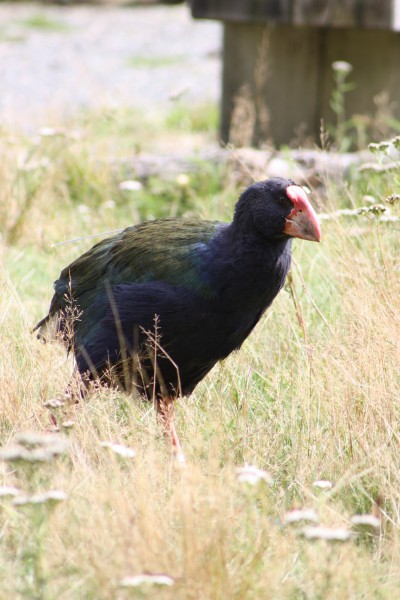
(55, 60)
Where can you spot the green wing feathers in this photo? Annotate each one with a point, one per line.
(162, 250)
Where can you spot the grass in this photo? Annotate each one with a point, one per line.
(203, 117)
(313, 394)
(44, 23)
(5, 36)
(153, 62)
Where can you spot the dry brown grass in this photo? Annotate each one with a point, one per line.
(313, 401)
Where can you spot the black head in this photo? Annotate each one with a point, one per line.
(277, 207)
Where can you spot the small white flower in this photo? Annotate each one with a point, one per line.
(138, 580)
(369, 199)
(119, 449)
(50, 497)
(392, 199)
(56, 444)
(110, 204)
(323, 484)
(365, 522)
(35, 447)
(330, 534)
(54, 403)
(83, 209)
(18, 454)
(300, 515)
(374, 209)
(342, 66)
(6, 491)
(130, 185)
(183, 180)
(50, 132)
(252, 475)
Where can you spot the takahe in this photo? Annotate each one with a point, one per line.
(154, 307)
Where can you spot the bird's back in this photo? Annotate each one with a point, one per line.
(160, 250)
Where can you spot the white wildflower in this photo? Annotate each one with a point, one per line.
(54, 403)
(342, 66)
(300, 515)
(365, 522)
(369, 199)
(146, 579)
(323, 484)
(56, 444)
(51, 497)
(50, 132)
(6, 491)
(330, 534)
(119, 449)
(183, 180)
(35, 447)
(130, 185)
(252, 475)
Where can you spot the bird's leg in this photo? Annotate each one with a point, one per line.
(77, 388)
(75, 391)
(166, 418)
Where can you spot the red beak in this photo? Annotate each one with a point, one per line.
(302, 222)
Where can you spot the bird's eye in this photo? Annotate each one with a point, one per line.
(284, 201)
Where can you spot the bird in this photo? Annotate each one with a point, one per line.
(154, 307)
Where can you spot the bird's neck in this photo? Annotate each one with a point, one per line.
(248, 267)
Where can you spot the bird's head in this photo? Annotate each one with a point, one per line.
(278, 207)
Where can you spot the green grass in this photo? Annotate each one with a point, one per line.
(5, 36)
(44, 23)
(312, 394)
(153, 62)
(203, 117)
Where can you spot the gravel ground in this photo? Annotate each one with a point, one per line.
(55, 60)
